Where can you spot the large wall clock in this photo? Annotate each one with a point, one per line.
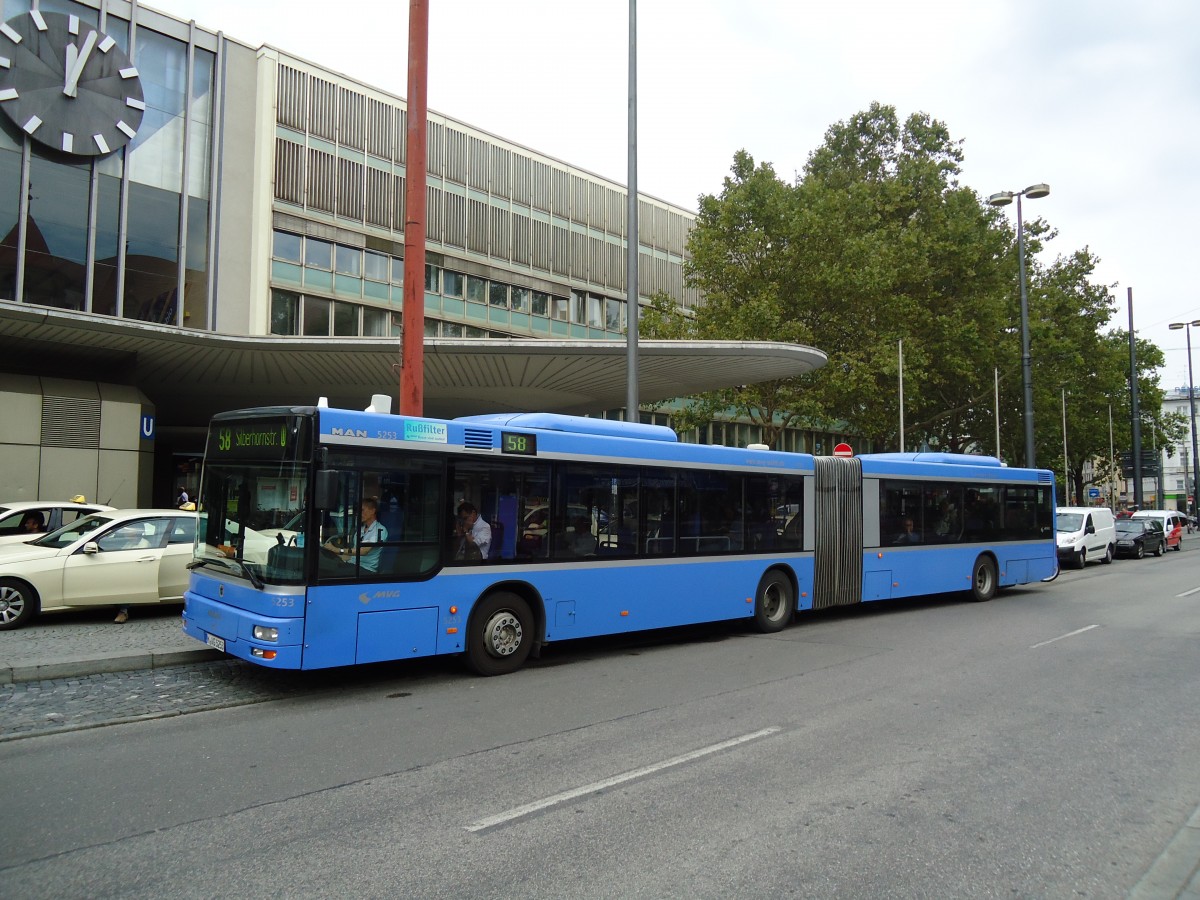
(67, 85)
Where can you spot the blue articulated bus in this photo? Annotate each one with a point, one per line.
(333, 537)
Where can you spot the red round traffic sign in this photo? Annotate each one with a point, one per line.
(843, 450)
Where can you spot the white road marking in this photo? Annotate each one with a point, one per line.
(1189, 593)
(596, 786)
(1061, 636)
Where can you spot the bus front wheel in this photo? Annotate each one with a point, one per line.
(501, 635)
(983, 579)
(774, 603)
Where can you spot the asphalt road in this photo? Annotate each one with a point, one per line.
(1040, 745)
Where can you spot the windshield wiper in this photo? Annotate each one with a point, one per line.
(249, 573)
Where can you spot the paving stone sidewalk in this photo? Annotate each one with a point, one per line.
(88, 642)
(77, 670)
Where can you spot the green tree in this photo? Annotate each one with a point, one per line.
(875, 243)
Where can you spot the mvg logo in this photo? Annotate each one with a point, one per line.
(348, 432)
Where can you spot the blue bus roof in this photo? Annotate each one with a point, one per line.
(575, 425)
(957, 459)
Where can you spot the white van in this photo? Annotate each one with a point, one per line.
(1085, 533)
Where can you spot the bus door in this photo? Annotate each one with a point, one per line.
(838, 532)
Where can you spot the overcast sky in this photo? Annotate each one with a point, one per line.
(1098, 98)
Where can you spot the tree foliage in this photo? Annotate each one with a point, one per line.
(873, 246)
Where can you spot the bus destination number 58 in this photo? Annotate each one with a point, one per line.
(520, 444)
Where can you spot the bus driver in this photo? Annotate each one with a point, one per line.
(370, 534)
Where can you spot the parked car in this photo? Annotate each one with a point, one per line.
(1084, 533)
(53, 514)
(1172, 521)
(120, 557)
(1137, 537)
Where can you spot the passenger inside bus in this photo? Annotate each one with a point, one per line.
(473, 536)
(578, 539)
(908, 533)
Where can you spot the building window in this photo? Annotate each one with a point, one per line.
(498, 294)
(397, 270)
(376, 267)
(433, 278)
(349, 260)
(285, 312)
(520, 299)
(375, 322)
(451, 329)
(476, 289)
(578, 308)
(316, 317)
(595, 311)
(540, 304)
(452, 283)
(318, 254)
(612, 314)
(558, 308)
(345, 319)
(288, 247)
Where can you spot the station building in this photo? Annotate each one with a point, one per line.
(192, 224)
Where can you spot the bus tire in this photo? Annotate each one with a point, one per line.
(18, 604)
(501, 634)
(983, 579)
(774, 602)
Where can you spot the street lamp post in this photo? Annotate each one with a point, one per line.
(1033, 192)
(1187, 327)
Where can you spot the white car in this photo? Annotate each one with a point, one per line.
(53, 514)
(120, 557)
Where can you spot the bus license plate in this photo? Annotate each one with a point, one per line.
(214, 641)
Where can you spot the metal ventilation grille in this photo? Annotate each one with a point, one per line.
(1045, 478)
(70, 422)
(477, 439)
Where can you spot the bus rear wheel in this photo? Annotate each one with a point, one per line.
(774, 602)
(501, 634)
(983, 579)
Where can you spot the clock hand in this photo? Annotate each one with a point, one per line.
(71, 85)
(72, 55)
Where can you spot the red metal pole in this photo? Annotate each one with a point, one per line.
(412, 362)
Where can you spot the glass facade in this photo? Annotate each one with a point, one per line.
(455, 303)
(124, 234)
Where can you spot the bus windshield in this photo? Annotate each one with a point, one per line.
(250, 520)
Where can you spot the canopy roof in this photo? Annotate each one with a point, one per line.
(190, 375)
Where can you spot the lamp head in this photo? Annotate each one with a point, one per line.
(1034, 191)
(1175, 326)
(1001, 199)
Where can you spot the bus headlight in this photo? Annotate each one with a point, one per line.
(264, 633)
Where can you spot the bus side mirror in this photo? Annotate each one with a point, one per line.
(326, 490)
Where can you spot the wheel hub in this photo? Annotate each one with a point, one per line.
(503, 634)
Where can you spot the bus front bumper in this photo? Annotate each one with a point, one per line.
(233, 631)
